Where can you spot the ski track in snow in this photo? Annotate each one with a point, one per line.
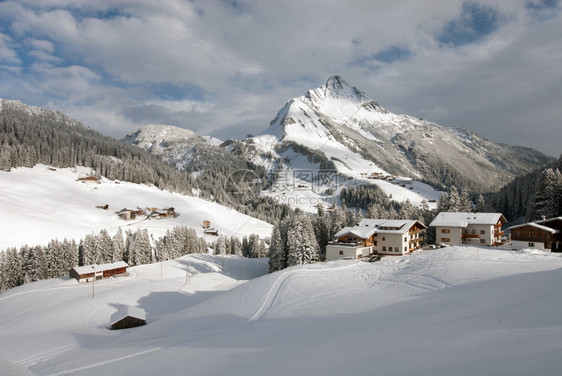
(99, 364)
(46, 355)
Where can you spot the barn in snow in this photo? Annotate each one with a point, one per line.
(89, 273)
(128, 317)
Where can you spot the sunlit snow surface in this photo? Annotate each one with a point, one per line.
(451, 311)
(39, 204)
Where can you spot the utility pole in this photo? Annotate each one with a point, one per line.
(93, 286)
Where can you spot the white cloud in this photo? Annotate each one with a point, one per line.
(7, 54)
(244, 60)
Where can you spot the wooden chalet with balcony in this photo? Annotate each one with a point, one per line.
(545, 235)
(382, 236)
(454, 228)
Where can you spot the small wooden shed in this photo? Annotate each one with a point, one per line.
(128, 317)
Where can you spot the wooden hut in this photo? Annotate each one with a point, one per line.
(128, 317)
(89, 273)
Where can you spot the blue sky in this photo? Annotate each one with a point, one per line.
(226, 67)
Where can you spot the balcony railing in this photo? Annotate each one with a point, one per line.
(357, 244)
(470, 236)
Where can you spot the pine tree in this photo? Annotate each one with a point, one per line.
(277, 251)
(2, 269)
(69, 255)
(547, 196)
(322, 234)
(480, 204)
(221, 245)
(12, 271)
(117, 246)
(88, 250)
(465, 203)
(104, 247)
(54, 257)
(235, 246)
(302, 247)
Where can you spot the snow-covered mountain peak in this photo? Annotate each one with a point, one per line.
(158, 133)
(340, 122)
(335, 92)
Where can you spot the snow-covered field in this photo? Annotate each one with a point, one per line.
(38, 205)
(451, 311)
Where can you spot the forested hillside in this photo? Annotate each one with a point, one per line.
(530, 197)
(30, 135)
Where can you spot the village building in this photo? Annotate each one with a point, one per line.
(89, 180)
(89, 273)
(211, 231)
(130, 214)
(545, 235)
(381, 236)
(454, 228)
(128, 317)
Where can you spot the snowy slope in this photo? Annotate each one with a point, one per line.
(453, 311)
(39, 204)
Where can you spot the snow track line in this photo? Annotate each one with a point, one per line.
(46, 355)
(273, 290)
(280, 281)
(105, 362)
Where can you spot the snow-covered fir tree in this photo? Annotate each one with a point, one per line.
(548, 195)
(117, 246)
(302, 247)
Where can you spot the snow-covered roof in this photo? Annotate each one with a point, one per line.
(99, 268)
(535, 225)
(463, 219)
(368, 227)
(361, 232)
(125, 311)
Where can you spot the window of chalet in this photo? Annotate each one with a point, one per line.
(445, 231)
(384, 248)
(445, 240)
(341, 252)
(482, 232)
(396, 249)
(483, 241)
(531, 244)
